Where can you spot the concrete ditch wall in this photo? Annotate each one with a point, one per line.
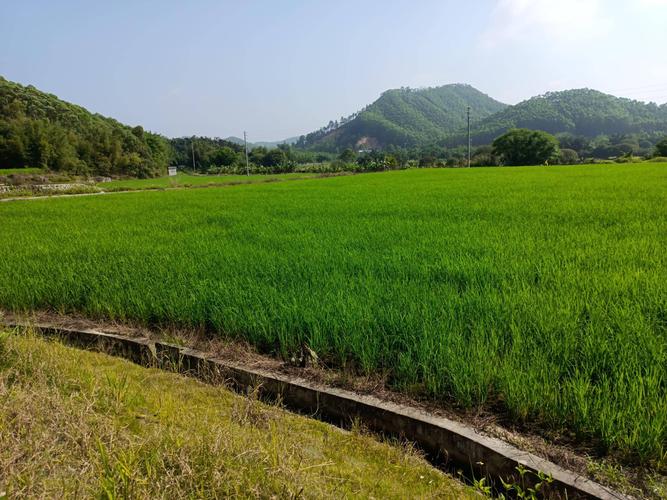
(446, 441)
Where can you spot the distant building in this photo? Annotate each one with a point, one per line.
(172, 171)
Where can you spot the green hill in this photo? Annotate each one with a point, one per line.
(39, 130)
(405, 117)
(584, 112)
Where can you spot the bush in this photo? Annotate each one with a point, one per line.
(484, 160)
(661, 148)
(627, 159)
(526, 147)
(568, 157)
(426, 161)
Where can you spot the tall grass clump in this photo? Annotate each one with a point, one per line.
(538, 291)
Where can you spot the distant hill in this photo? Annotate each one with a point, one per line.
(39, 130)
(408, 117)
(582, 112)
(405, 117)
(266, 144)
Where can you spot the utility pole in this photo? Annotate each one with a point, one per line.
(245, 143)
(469, 137)
(192, 146)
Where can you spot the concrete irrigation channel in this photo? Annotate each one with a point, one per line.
(446, 441)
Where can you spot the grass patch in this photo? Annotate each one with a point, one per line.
(82, 424)
(27, 170)
(537, 292)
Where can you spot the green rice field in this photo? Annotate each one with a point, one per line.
(539, 293)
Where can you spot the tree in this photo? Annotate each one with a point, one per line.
(483, 157)
(661, 148)
(390, 161)
(274, 158)
(526, 147)
(578, 143)
(224, 157)
(138, 132)
(257, 155)
(426, 160)
(347, 156)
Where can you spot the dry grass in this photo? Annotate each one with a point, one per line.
(76, 423)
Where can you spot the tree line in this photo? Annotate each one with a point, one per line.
(40, 130)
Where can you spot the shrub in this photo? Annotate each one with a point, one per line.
(526, 147)
(661, 148)
(568, 157)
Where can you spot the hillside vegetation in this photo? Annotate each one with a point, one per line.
(77, 424)
(537, 293)
(434, 118)
(411, 126)
(581, 112)
(39, 130)
(406, 117)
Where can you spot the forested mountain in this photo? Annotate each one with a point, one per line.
(581, 112)
(404, 117)
(437, 116)
(39, 130)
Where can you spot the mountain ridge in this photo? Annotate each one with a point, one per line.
(585, 112)
(265, 144)
(405, 117)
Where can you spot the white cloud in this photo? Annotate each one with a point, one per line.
(563, 21)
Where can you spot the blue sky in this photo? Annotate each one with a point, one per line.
(283, 68)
